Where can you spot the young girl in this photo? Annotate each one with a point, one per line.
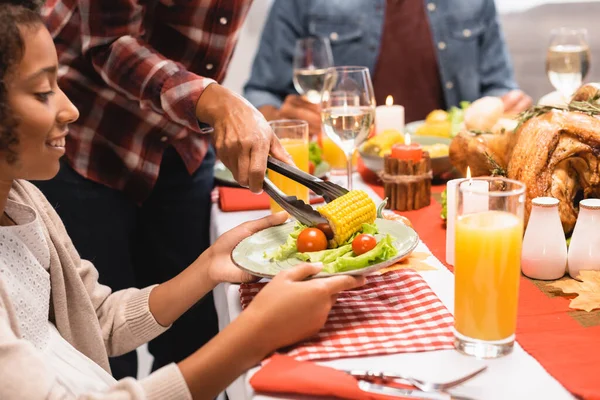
(58, 326)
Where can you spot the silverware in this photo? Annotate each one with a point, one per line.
(427, 386)
(366, 386)
(370, 387)
(297, 208)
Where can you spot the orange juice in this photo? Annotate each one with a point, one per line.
(334, 155)
(486, 273)
(298, 149)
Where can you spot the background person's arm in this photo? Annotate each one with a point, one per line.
(497, 78)
(271, 75)
(112, 39)
(495, 66)
(112, 36)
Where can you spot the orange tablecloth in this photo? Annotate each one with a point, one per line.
(564, 341)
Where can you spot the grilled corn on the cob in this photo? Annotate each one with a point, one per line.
(346, 214)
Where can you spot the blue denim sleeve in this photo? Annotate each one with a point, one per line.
(495, 66)
(271, 75)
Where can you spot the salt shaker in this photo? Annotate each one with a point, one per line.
(544, 254)
(584, 250)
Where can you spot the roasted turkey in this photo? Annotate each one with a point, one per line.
(555, 153)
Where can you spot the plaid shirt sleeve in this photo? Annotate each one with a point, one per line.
(112, 37)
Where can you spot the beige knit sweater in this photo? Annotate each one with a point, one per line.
(95, 321)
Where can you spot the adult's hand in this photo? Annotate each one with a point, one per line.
(516, 101)
(296, 107)
(219, 266)
(290, 309)
(242, 137)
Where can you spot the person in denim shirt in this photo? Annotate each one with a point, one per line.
(468, 58)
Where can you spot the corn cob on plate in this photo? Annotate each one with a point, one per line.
(252, 254)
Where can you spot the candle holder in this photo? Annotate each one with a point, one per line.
(406, 183)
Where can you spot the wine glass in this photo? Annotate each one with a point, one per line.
(348, 109)
(568, 60)
(312, 57)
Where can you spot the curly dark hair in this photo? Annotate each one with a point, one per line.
(13, 14)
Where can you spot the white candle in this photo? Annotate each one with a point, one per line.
(472, 202)
(451, 209)
(478, 200)
(389, 117)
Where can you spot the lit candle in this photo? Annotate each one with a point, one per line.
(478, 200)
(407, 150)
(471, 203)
(451, 209)
(389, 117)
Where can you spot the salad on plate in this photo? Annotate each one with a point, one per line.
(354, 241)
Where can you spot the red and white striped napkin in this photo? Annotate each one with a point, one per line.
(393, 313)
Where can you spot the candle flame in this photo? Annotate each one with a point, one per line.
(468, 172)
(407, 139)
(389, 100)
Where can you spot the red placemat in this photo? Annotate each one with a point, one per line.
(392, 313)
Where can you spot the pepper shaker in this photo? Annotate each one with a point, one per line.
(584, 250)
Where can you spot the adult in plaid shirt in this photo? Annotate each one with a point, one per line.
(134, 187)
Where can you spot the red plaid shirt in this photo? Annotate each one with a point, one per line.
(136, 77)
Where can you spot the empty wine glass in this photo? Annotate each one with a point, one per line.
(348, 109)
(312, 57)
(568, 60)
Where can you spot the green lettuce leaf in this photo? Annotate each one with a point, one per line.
(444, 211)
(384, 250)
(326, 256)
(315, 154)
(289, 248)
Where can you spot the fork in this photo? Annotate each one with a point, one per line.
(423, 385)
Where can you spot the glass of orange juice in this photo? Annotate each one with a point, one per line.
(489, 234)
(293, 135)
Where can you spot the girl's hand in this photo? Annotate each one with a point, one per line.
(289, 308)
(220, 268)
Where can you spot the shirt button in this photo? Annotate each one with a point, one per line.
(431, 6)
(441, 45)
(334, 36)
(164, 139)
(467, 33)
(223, 21)
(209, 66)
(449, 85)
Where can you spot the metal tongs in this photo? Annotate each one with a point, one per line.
(297, 208)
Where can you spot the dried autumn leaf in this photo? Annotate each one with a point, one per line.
(587, 287)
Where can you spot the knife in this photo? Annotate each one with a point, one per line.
(366, 386)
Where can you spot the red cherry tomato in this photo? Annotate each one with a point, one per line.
(311, 239)
(363, 243)
(311, 167)
(326, 229)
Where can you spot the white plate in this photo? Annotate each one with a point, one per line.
(249, 254)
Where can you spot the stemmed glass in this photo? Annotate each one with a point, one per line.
(348, 109)
(312, 57)
(568, 60)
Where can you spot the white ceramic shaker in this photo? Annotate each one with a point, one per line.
(544, 254)
(584, 250)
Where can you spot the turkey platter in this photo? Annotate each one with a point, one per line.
(554, 151)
